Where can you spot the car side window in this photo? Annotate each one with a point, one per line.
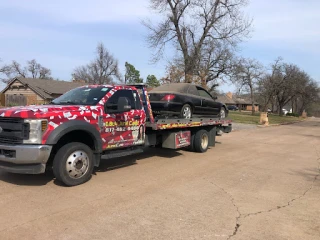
(204, 93)
(113, 100)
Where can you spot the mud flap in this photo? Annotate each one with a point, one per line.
(176, 140)
(212, 137)
(223, 129)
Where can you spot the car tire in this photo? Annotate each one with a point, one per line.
(223, 113)
(201, 141)
(186, 111)
(73, 164)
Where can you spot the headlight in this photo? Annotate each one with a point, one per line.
(37, 128)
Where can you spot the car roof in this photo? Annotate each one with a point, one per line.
(177, 87)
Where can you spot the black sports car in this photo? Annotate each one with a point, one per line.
(185, 100)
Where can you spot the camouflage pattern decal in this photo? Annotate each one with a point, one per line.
(117, 130)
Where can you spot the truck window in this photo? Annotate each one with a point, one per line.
(137, 100)
(82, 96)
(123, 93)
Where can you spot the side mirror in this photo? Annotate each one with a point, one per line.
(214, 97)
(123, 104)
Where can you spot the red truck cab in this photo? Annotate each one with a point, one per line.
(89, 123)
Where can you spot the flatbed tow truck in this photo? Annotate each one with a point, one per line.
(71, 138)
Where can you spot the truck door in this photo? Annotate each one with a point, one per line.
(124, 120)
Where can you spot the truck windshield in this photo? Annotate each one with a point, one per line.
(82, 96)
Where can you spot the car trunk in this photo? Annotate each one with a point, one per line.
(157, 96)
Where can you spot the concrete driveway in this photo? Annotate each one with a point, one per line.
(255, 184)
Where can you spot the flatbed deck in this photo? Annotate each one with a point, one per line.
(161, 124)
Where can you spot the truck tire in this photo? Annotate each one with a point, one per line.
(73, 164)
(201, 141)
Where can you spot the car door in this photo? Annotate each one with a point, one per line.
(209, 106)
(124, 120)
(196, 100)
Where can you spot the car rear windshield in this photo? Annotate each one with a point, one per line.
(88, 95)
(173, 87)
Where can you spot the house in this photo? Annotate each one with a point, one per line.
(226, 100)
(29, 91)
(243, 103)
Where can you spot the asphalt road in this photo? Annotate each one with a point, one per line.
(255, 184)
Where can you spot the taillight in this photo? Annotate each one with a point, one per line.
(168, 97)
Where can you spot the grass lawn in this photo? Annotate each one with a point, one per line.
(246, 117)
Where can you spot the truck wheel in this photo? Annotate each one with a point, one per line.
(186, 111)
(73, 164)
(201, 141)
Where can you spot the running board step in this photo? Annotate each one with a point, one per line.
(121, 153)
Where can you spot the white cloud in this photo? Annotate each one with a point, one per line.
(81, 11)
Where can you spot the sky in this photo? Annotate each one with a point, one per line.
(63, 34)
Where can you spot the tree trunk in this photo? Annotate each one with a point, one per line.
(252, 100)
(280, 109)
(188, 77)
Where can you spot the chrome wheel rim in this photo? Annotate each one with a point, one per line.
(204, 141)
(187, 112)
(222, 113)
(77, 164)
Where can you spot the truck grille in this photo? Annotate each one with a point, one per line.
(13, 130)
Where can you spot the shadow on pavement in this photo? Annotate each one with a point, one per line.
(309, 174)
(26, 179)
(105, 165)
(116, 163)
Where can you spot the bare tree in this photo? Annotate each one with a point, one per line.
(33, 69)
(190, 25)
(38, 71)
(215, 64)
(18, 70)
(307, 93)
(246, 75)
(174, 74)
(102, 70)
(286, 84)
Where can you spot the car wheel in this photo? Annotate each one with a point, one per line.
(201, 141)
(186, 111)
(223, 113)
(73, 164)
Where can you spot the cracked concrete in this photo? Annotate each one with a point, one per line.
(255, 184)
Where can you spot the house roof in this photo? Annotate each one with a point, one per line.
(235, 100)
(244, 101)
(45, 88)
(225, 99)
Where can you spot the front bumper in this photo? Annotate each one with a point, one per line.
(28, 159)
